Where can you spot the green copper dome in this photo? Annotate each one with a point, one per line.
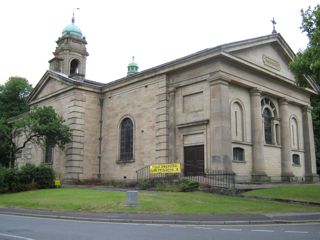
(133, 64)
(72, 29)
(132, 67)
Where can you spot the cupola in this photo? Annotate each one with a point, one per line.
(132, 68)
(71, 52)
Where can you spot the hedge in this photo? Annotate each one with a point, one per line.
(27, 178)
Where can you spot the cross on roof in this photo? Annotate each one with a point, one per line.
(274, 26)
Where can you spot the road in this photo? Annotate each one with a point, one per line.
(32, 228)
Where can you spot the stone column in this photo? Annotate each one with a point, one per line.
(172, 125)
(286, 163)
(162, 119)
(309, 148)
(258, 165)
(220, 123)
(75, 149)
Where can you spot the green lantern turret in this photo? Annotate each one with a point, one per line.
(132, 68)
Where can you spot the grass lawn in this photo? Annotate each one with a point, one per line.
(304, 192)
(72, 199)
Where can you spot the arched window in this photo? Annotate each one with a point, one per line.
(294, 133)
(296, 159)
(267, 126)
(126, 140)
(238, 154)
(74, 67)
(237, 122)
(48, 154)
(270, 122)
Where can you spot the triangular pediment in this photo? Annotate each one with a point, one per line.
(49, 85)
(268, 53)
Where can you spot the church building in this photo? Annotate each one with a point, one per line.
(234, 107)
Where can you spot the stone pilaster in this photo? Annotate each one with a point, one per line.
(286, 163)
(220, 123)
(162, 121)
(75, 149)
(309, 148)
(258, 165)
(172, 125)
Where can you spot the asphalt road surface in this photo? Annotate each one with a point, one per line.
(32, 228)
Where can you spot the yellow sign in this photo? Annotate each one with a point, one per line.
(165, 168)
(57, 183)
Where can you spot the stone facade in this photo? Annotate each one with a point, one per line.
(239, 101)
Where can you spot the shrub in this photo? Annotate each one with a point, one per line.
(3, 185)
(27, 178)
(27, 173)
(11, 180)
(144, 184)
(44, 176)
(187, 185)
(168, 187)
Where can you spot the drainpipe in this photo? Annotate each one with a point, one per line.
(100, 137)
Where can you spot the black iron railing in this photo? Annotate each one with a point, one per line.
(213, 178)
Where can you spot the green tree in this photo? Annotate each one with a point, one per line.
(42, 125)
(307, 63)
(14, 97)
(4, 143)
(13, 101)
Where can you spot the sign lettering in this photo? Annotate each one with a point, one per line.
(165, 168)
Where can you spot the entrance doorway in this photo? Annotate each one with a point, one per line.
(194, 160)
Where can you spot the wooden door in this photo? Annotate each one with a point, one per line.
(194, 160)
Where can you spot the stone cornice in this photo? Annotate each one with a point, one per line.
(283, 101)
(191, 124)
(255, 91)
(307, 108)
(219, 77)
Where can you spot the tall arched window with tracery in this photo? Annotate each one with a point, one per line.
(126, 140)
(267, 126)
(294, 133)
(237, 121)
(270, 122)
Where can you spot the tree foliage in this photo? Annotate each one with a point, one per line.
(42, 125)
(307, 63)
(13, 101)
(19, 125)
(14, 97)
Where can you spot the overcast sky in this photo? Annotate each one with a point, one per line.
(154, 31)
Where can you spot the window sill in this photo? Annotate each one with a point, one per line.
(242, 142)
(272, 145)
(125, 161)
(296, 165)
(47, 163)
(239, 161)
(297, 150)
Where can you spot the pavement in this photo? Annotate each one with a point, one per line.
(198, 219)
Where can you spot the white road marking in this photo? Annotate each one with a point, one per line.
(177, 226)
(154, 224)
(231, 229)
(295, 232)
(15, 236)
(207, 228)
(261, 230)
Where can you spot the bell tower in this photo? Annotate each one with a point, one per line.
(71, 53)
